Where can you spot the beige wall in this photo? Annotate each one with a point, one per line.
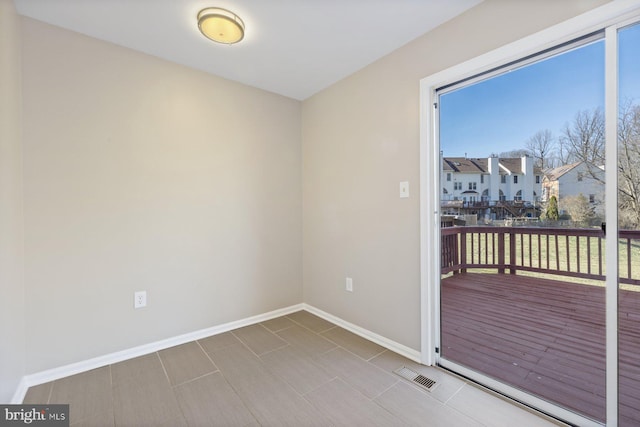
(140, 174)
(360, 139)
(12, 310)
(144, 175)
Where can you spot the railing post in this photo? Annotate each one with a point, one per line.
(501, 252)
(512, 252)
(463, 251)
(455, 257)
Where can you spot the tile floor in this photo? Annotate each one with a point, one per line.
(296, 370)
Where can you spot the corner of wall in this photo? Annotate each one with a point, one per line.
(12, 303)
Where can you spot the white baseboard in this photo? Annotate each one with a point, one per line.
(108, 359)
(402, 350)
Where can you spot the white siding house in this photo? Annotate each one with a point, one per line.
(574, 179)
(490, 179)
(477, 185)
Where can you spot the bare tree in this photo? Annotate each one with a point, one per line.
(521, 152)
(583, 141)
(629, 165)
(541, 146)
(563, 154)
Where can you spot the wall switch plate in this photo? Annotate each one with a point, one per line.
(349, 284)
(404, 189)
(139, 299)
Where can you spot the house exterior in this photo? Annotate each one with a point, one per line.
(491, 187)
(574, 179)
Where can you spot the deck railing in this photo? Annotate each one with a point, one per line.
(573, 252)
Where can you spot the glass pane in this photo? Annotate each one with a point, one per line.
(522, 177)
(629, 225)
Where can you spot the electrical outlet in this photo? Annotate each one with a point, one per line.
(139, 299)
(349, 284)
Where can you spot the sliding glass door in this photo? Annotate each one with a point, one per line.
(537, 228)
(629, 224)
(522, 206)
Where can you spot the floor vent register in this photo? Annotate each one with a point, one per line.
(411, 375)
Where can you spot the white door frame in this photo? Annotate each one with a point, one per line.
(611, 15)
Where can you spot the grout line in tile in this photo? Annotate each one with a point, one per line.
(113, 395)
(321, 385)
(351, 352)
(113, 400)
(239, 395)
(375, 355)
(175, 397)
(327, 330)
(206, 354)
(385, 390)
(196, 378)
(275, 349)
(166, 374)
(309, 329)
(246, 345)
(278, 330)
(446, 402)
(256, 354)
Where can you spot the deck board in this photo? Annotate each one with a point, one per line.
(543, 336)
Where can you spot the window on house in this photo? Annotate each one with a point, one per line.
(448, 177)
(580, 176)
(457, 186)
(503, 179)
(592, 198)
(472, 186)
(481, 179)
(537, 179)
(515, 179)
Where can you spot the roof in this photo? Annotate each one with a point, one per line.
(512, 164)
(555, 173)
(481, 165)
(465, 165)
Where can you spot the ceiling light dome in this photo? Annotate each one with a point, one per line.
(220, 25)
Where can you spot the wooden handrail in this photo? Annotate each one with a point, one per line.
(572, 252)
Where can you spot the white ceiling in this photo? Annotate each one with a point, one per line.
(291, 47)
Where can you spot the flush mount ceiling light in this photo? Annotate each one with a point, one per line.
(220, 25)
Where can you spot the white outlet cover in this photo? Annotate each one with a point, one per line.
(140, 299)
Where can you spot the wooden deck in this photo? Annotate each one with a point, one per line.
(546, 337)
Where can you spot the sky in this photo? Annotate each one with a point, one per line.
(500, 114)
